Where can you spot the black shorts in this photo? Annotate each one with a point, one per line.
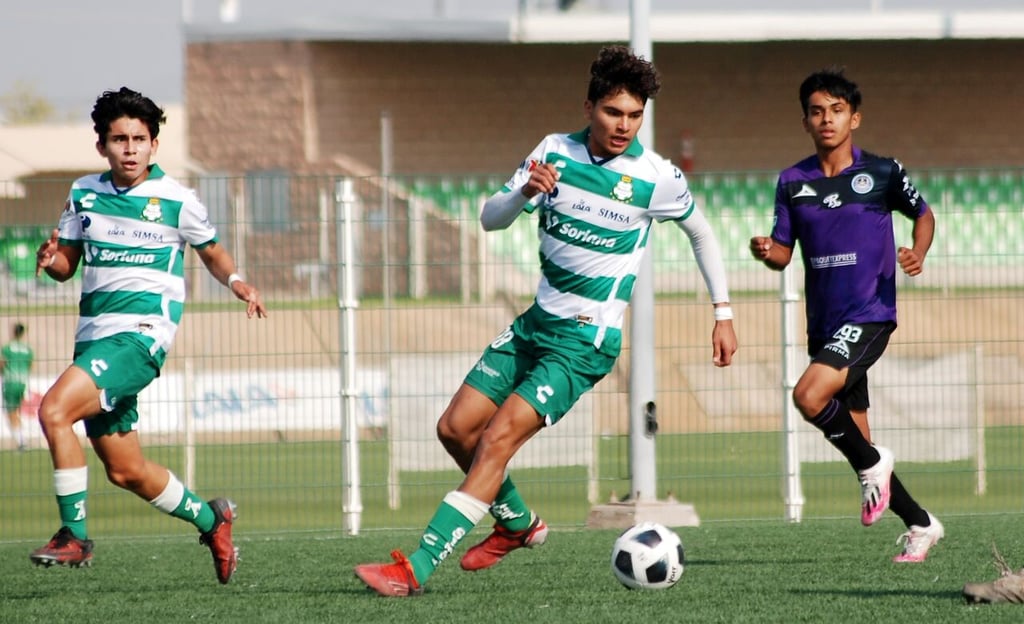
(856, 348)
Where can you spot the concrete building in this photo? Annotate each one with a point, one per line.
(283, 107)
(474, 96)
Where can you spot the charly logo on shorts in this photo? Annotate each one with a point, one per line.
(862, 183)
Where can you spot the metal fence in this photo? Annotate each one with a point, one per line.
(254, 409)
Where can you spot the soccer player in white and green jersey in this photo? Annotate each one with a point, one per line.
(128, 228)
(598, 192)
(15, 364)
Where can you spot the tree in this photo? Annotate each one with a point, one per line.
(23, 105)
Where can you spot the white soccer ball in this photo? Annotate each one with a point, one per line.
(648, 555)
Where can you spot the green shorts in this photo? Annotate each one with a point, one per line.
(14, 393)
(120, 366)
(544, 364)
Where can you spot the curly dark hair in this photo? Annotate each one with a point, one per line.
(832, 81)
(113, 105)
(618, 69)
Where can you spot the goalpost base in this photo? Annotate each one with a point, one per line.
(622, 515)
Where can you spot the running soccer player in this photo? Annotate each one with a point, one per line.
(15, 364)
(597, 192)
(128, 228)
(838, 205)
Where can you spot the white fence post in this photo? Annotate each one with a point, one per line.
(977, 387)
(352, 503)
(794, 495)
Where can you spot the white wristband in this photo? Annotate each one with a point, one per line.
(234, 277)
(723, 314)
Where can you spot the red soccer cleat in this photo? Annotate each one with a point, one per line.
(390, 579)
(501, 542)
(218, 539)
(64, 549)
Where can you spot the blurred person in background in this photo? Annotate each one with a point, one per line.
(838, 204)
(15, 364)
(597, 193)
(128, 228)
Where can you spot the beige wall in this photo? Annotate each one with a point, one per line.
(479, 108)
(245, 101)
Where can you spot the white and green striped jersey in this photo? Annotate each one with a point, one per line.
(133, 254)
(17, 357)
(594, 226)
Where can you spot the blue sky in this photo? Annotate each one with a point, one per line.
(69, 51)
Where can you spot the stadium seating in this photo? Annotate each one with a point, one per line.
(981, 214)
(980, 224)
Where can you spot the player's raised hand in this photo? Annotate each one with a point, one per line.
(911, 263)
(543, 178)
(47, 253)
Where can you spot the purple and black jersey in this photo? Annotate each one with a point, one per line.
(844, 226)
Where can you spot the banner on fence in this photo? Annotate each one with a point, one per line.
(924, 409)
(921, 409)
(256, 400)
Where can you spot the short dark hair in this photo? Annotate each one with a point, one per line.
(832, 81)
(19, 330)
(113, 105)
(618, 69)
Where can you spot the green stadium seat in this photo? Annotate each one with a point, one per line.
(980, 222)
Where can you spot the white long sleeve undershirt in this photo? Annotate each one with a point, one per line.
(501, 209)
(707, 253)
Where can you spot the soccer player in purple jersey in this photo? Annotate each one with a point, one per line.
(839, 204)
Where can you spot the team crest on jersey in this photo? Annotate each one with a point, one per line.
(152, 211)
(862, 183)
(623, 190)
